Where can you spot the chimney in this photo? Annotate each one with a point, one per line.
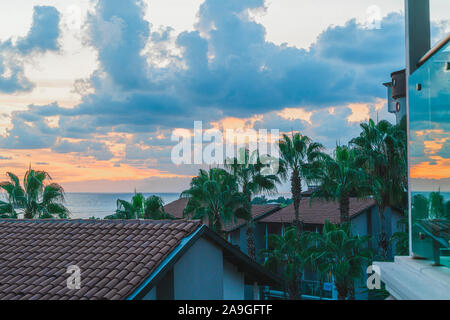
(418, 32)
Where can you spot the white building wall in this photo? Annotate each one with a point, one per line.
(359, 224)
(198, 275)
(233, 282)
(203, 274)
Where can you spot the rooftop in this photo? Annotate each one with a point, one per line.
(115, 257)
(318, 211)
(176, 209)
(118, 259)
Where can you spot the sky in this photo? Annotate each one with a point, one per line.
(91, 91)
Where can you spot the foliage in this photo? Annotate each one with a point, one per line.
(437, 206)
(433, 207)
(260, 200)
(382, 149)
(288, 255)
(300, 156)
(36, 199)
(140, 208)
(282, 201)
(248, 171)
(340, 177)
(342, 253)
(214, 198)
(419, 206)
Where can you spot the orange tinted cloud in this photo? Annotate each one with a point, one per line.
(66, 168)
(361, 111)
(296, 114)
(433, 147)
(236, 123)
(434, 140)
(440, 169)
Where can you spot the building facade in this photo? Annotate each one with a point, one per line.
(425, 274)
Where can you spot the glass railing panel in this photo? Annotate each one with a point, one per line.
(429, 147)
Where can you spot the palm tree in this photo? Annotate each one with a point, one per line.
(214, 197)
(36, 199)
(301, 156)
(437, 205)
(344, 255)
(140, 208)
(340, 177)
(7, 210)
(400, 240)
(154, 209)
(382, 149)
(288, 254)
(247, 170)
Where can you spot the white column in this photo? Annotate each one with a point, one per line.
(418, 42)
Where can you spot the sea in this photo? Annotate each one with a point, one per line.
(99, 205)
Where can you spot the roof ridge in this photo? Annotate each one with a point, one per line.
(105, 221)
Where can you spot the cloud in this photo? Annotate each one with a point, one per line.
(44, 33)
(119, 32)
(225, 68)
(42, 37)
(98, 150)
(364, 46)
(42, 163)
(28, 132)
(229, 69)
(12, 77)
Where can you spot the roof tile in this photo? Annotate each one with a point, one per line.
(317, 211)
(115, 257)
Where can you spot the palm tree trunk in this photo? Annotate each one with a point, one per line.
(294, 288)
(342, 289)
(217, 225)
(296, 190)
(351, 291)
(251, 241)
(342, 293)
(28, 214)
(251, 248)
(383, 242)
(344, 208)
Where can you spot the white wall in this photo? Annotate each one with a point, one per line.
(202, 274)
(198, 275)
(233, 282)
(359, 224)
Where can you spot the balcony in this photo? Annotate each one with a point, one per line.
(429, 142)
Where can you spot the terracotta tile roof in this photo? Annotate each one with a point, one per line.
(176, 209)
(115, 257)
(258, 211)
(318, 212)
